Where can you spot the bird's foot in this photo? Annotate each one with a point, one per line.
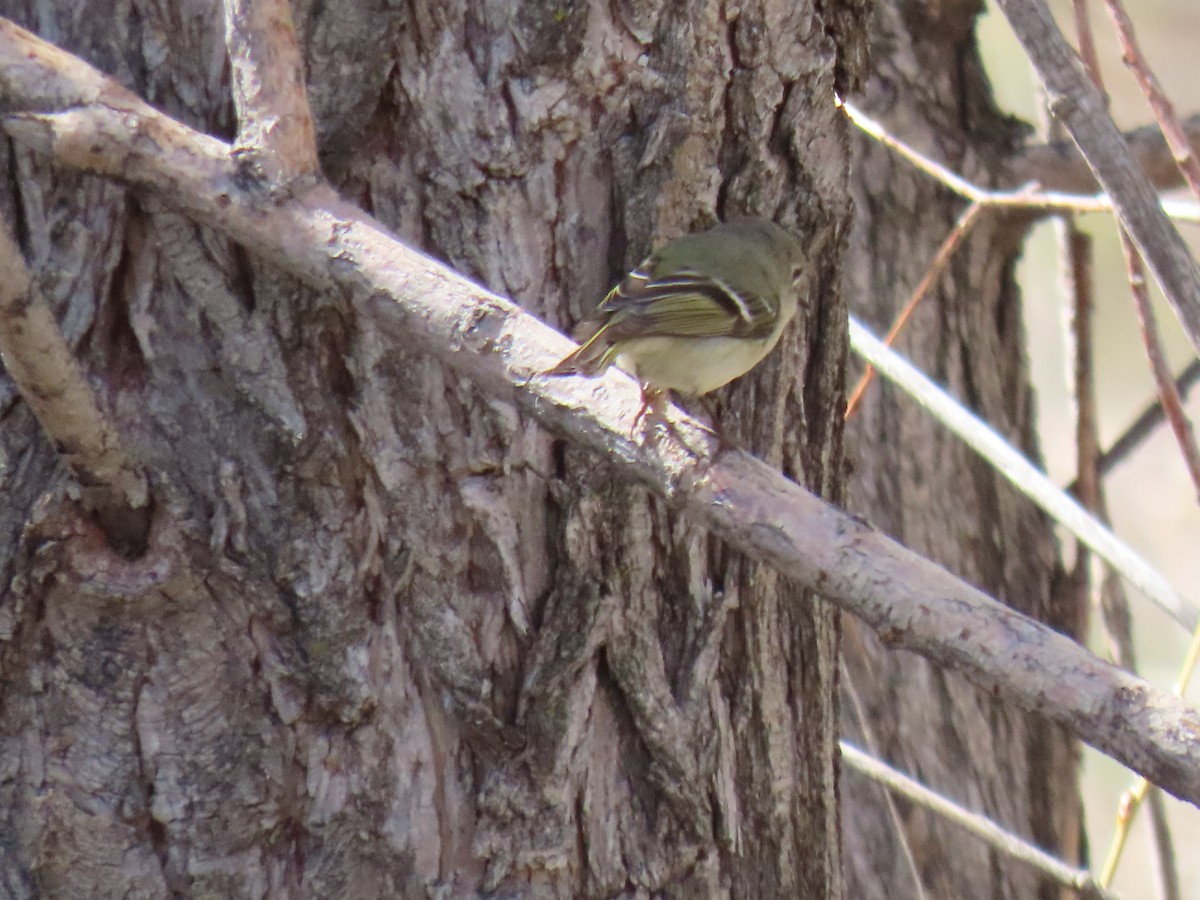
(653, 416)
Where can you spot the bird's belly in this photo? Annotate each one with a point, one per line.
(691, 366)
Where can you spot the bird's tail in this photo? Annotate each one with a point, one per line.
(597, 353)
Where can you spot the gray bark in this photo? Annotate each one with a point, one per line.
(915, 481)
(389, 638)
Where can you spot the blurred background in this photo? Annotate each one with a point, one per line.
(1152, 500)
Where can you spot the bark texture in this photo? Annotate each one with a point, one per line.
(915, 481)
(389, 638)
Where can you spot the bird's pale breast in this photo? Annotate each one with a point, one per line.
(693, 366)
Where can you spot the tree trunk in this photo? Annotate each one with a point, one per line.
(915, 481)
(389, 638)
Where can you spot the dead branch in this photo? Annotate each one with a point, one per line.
(40, 363)
(86, 121)
(1143, 426)
(1078, 104)
(1030, 200)
(1164, 110)
(985, 829)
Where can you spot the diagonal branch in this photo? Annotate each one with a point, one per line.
(1169, 396)
(1142, 427)
(1164, 110)
(1024, 476)
(911, 602)
(1057, 165)
(1077, 103)
(999, 838)
(966, 221)
(1027, 198)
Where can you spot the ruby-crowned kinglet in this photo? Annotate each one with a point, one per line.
(697, 313)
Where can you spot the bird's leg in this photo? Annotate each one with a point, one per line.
(653, 412)
(653, 401)
(705, 402)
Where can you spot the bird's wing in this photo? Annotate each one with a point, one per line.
(684, 304)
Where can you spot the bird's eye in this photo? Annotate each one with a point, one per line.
(796, 273)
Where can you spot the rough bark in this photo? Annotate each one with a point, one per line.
(915, 481)
(390, 639)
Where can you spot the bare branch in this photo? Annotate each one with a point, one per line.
(40, 363)
(1077, 103)
(275, 125)
(1040, 201)
(980, 826)
(909, 601)
(1164, 847)
(1087, 50)
(941, 259)
(863, 721)
(1021, 473)
(1058, 166)
(1164, 109)
(1168, 394)
(1077, 247)
(1114, 604)
(1143, 426)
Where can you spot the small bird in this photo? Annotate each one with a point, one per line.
(697, 313)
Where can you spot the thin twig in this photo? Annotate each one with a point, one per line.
(1165, 864)
(1058, 165)
(1168, 394)
(1087, 47)
(938, 172)
(942, 259)
(1114, 603)
(863, 721)
(40, 363)
(910, 602)
(1078, 104)
(1133, 797)
(1022, 474)
(1143, 426)
(980, 826)
(1164, 110)
(1077, 247)
(276, 135)
(1116, 612)
(1023, 198)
